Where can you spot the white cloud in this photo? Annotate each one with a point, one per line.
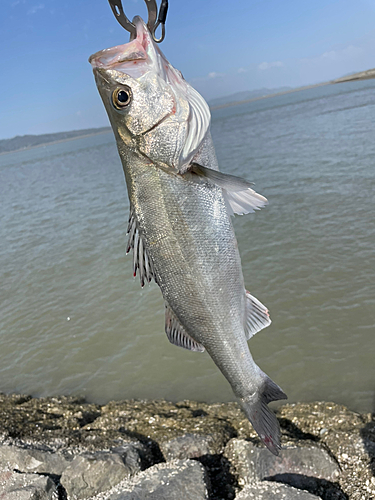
(349, 52)
(330, 55)
(265, 65)
(335, 62)
(215, 75)
(241, 70)
(352, 51)
(207, 78)
(35, 8)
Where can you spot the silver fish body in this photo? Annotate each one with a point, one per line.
(197, 265)
(180, 229)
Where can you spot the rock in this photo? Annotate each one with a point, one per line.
(16, 486)
(161, 421)
(46, 419)
(313, 418)
(255, 464)
(32, 460)
(264, 490)
(93, 473)
(349, 436)
(132, 456)
(180, 479)
(70, 426)
(188, 446)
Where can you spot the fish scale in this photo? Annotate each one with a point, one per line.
(201, 257)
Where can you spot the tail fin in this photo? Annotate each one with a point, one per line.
(261, 417)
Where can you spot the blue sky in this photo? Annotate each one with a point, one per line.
(220, 46)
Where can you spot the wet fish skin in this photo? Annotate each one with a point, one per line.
(182, 218)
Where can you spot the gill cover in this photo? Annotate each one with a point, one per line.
(167, 116)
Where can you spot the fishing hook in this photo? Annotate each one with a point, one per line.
(153, 22)
(161, 21)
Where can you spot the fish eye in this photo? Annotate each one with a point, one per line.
(122, 97)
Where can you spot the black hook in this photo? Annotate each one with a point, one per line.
(152, 23)
(161, 21)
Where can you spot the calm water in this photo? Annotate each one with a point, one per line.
(74, 321)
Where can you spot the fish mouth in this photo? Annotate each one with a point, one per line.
(116, 56)
(133, 58)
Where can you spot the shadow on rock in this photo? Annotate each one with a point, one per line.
(221, 482)
(290, 430)
(326, 490)
(368, 436)
(151, 445)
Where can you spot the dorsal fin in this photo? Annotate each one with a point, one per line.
(257, 316)
(176, 333)
(141, 259)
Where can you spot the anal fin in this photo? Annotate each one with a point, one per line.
(176, 333)
(257, 316)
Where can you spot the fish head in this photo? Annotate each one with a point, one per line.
(152, 109)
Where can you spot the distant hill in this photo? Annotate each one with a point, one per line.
(245, 95)
(29, 141)
(250, 95)
(361, 75)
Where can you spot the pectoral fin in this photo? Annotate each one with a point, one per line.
(240, 197)
(257, 316)
(176, 333)
(141, 260)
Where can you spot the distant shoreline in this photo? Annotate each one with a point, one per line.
(362, 75)
(27, 148)
(291, 91)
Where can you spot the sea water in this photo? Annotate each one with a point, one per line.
(73, 320)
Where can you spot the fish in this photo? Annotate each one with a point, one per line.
(180, 229)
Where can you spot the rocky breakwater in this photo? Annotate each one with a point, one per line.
(64, 448)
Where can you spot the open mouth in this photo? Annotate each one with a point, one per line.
(124, 57)
(116, 56)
